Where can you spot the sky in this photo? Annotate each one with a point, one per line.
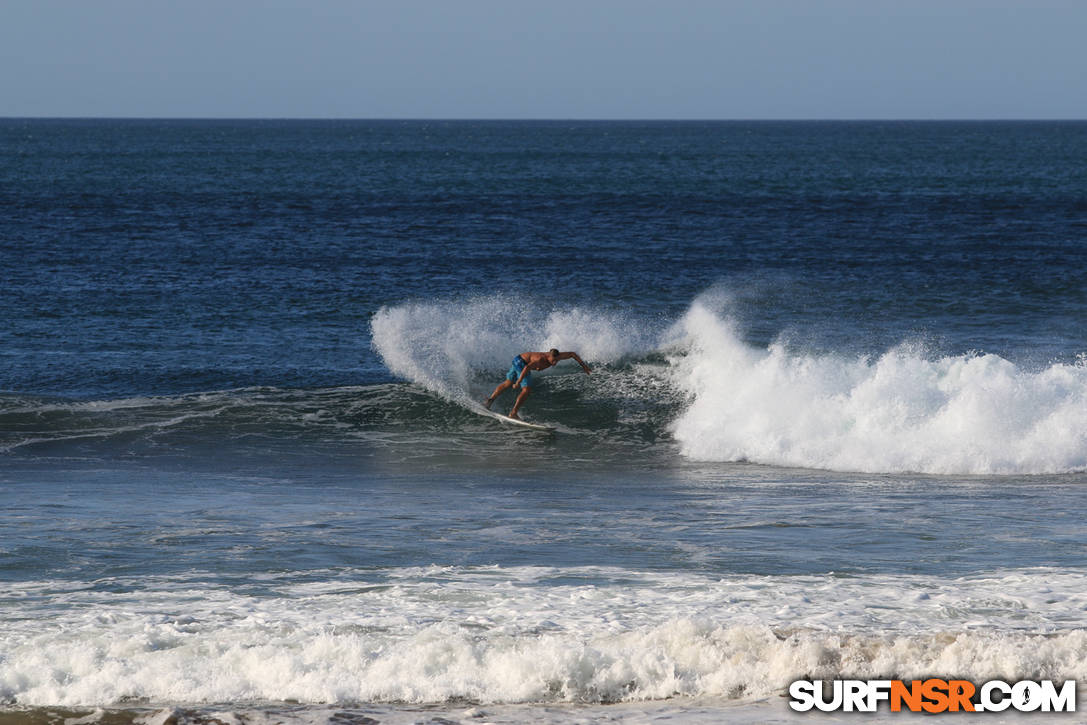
(555, 59)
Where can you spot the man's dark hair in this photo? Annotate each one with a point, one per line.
(554, 351)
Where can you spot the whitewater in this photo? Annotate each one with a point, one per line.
(529, 635)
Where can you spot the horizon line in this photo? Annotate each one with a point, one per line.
(498, 119)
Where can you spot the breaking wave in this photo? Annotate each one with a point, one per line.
(723, 399)
(901, 411)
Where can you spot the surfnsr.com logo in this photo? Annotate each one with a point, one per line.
(932, 695)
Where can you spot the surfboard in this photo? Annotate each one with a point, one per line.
(515, 421)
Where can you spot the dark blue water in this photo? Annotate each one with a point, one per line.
(158, 257)
(839, 395)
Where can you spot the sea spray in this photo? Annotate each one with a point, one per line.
(445, 345)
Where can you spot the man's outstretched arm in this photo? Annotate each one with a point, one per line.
(574, 355)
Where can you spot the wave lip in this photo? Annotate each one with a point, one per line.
(902, 412)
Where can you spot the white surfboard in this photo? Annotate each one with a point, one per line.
(515, 421)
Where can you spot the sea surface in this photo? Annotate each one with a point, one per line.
(836, 424)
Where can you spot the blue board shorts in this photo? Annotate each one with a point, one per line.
(515, 372)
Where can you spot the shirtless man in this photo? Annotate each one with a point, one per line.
(520, 374)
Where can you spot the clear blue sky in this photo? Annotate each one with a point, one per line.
(612, 59)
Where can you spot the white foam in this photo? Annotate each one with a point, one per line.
(965, 414)
(528, 635)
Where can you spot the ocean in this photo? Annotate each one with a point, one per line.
(836, 424)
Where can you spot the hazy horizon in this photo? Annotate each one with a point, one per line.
(489, 60)
(496, 119)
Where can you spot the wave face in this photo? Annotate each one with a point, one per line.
(901, 411)
(526, 635)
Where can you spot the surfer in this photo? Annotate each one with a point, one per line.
(520, 374)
